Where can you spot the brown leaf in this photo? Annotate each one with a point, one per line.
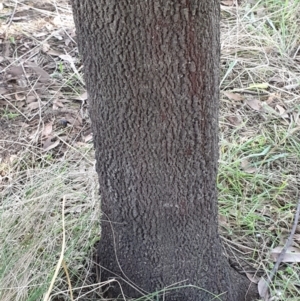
(292, 254)
(20, 104)
(19, 96)
(263, 289)
(223, 221)
(15, 72)
(33, 105)
(67, 57)
(48, 144)
(235, 120)
(271, 99)
(31, 98)
(246, 166)
(234, 96)
(282, 111)
(253, 278)
(43, 75)
(47, 129)
(87, 138)
(254, 104)
(57, 104)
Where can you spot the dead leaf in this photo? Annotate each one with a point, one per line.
(47, 129)
(223, 221)
(246, 166)
(49, 144)
(234, 96)
(252, 278)
(292, 254)
(282, 111)
(33, 105)
(235, 120)
(67, 57)
(263, 289)
(43, 75)
(57, 104)
(20, 104)
(19, 96)
(31, 98)
(14, 72)
(254, 103)
(87, 138)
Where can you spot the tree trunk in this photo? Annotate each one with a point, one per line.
(152, 74)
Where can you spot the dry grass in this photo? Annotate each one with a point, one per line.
(259, 163)
(31, 226)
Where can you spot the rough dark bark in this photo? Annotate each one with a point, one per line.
(152, 74)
